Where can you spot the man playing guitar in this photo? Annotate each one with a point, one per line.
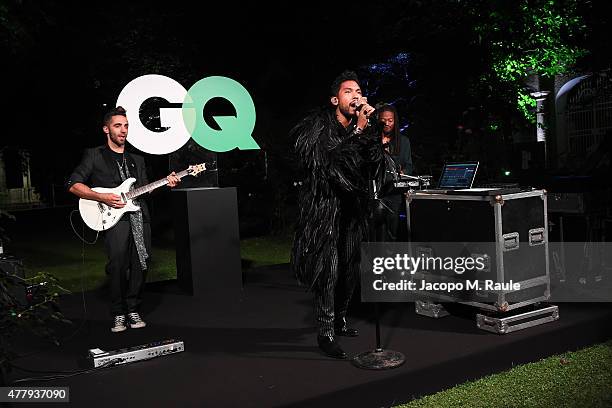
(128, 242)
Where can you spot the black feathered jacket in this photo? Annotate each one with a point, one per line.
(337, 166)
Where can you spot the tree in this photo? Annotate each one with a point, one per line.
(525, 38)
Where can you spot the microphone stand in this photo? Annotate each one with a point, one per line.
(379, 358)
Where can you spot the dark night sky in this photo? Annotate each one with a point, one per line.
(64, 59)
(74, 57)
(77, 56)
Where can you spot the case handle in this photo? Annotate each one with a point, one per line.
(536, 236)
(511, 241)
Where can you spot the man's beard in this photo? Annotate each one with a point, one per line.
(347, 114)
(118, 142)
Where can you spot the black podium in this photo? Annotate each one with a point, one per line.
(207, 241)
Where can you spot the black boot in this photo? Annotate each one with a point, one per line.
(340, 329)
(329, 345)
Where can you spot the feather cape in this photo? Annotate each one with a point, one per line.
(337, 165)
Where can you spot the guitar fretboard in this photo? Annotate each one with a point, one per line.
(152, 186)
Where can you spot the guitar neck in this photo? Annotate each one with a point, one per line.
(152, 186)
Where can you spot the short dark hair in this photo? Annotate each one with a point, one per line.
(345, 76)
(118, 111)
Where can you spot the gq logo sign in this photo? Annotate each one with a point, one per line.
(188, 121)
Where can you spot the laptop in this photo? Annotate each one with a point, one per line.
(458, 179)
(455, 176)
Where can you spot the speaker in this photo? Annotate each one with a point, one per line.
(208, 242)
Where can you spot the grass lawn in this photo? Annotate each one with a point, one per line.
(574, 379)
(269, 250)
(63, 258)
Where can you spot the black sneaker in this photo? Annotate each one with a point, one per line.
(136, 321)
(118, 324)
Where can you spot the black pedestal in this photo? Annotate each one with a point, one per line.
(207, 241)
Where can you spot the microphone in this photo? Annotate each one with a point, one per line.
(370, 122)
(358, 106)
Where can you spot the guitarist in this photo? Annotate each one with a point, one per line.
(128, 243)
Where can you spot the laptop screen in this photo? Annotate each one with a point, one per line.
(458, 175)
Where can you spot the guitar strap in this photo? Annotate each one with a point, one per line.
(136, 223)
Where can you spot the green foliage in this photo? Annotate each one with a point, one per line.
(540, 41)
(19, 313)
(525, 38)
(494, 126)
(526, 105)
(32, 314)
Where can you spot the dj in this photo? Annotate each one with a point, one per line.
(397, 145)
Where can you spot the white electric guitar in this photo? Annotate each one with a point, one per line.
(99, 216)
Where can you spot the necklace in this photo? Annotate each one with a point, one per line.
(123, 164)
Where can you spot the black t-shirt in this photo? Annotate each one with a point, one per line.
(120, 158)
(117, 156)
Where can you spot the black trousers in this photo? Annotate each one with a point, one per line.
(332, 300)
(336, 285)
(127, 278)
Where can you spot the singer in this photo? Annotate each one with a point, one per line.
(338, 152)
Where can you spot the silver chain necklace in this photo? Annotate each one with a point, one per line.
(123, 164)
